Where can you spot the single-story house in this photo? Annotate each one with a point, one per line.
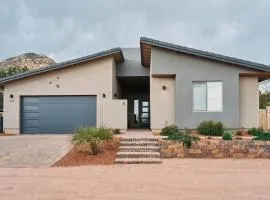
(152, 86)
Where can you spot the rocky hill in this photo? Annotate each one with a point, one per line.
(30, 60)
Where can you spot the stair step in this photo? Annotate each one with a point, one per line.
(138, 155)
(140, 139)
(138, 149)
(139, 143)
(137, 161)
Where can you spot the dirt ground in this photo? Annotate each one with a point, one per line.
(77, 157)
(187, 179)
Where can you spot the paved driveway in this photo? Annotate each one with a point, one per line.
(32, 150)
(188, 179)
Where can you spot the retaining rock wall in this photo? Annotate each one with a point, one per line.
(216, 149)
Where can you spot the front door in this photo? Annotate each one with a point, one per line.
(139, 113)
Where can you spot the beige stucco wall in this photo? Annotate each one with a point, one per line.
(115, 114)
(90, 78)
(249, 102)
(162, 106)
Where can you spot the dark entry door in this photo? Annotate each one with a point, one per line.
(57, 114)
(139, 113)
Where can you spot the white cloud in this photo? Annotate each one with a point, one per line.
(68, 29)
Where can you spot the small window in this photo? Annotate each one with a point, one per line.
(207, 96)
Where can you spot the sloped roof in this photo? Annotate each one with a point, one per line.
(147, 43)
(115, 52)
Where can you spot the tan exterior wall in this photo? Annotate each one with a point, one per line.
(249, 102)
(162, 106)
(115, 114)
(90, 78)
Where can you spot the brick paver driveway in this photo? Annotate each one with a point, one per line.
(188, 179)
(32, 150)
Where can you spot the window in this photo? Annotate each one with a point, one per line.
(207, 96)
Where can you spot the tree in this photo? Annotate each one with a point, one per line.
(5, 72)
(264, 100)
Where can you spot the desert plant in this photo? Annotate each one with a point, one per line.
(183, 136)
(116, 131)
(262, 136)
(211, 128)
(239, 133)
(91, 136)
(227, 135)
(255, 131)
(169, 130)
(102, 133)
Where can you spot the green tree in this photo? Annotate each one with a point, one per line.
(264, 100)
(5, 72)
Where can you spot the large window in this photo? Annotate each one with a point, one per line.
(207, 96)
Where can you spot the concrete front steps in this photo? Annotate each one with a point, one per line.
(138, 151)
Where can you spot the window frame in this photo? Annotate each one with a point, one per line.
(205, 82)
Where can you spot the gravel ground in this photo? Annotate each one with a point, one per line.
(187, 179)
(32, 150)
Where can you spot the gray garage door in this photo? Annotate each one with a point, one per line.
(57, 114)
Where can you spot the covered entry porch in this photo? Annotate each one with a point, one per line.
(136, 90)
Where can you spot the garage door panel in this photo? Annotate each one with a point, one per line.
(31, 130)
(31, 115)
(31, 123)
(55, 114)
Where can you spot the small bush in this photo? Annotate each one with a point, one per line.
(262, 136)
(169, 130)
(183, 136)
(211, 128)
(116, 131)
(239, 133)
(91, 136)
(255, 131)
(227, 136)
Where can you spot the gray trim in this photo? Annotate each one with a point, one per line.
(205, 54)
(62, 65)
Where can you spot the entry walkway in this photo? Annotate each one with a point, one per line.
(138, 147)
(135, 133)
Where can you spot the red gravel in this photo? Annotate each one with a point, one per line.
(76, 158)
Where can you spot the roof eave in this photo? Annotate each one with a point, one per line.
(99, 55)
(204, 54)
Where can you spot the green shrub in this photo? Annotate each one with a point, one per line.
(116, 131)
(169, 130)
(262, 136)
(227, 135)
(103, 133)
(211, 128)
(255, 131)
(4, 72)
(183, 136)
(91, 136)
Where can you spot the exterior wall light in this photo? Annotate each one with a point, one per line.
(163, 87)
(11, 96)
(103, 95)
